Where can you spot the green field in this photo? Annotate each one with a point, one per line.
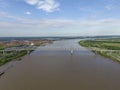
(7, 56)
(11, 56)
(109, 48)
(2, 47)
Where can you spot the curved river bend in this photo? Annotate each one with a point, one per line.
(59, 70)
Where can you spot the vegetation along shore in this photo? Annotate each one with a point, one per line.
(109, 48)
(15, 49)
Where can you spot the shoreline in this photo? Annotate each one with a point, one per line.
(115, 55)
(16, 56)
(9, 50)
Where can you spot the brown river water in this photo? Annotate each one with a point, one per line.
(59, 70)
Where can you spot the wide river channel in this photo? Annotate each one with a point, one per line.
(59, 70)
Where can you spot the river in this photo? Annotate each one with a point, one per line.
(59, 70)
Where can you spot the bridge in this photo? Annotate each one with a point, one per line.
(28, 49)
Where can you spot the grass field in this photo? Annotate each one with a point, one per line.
(11, 56)
(107, 45)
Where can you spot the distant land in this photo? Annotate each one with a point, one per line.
(56, 38)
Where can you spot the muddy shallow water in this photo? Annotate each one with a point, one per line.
(59, 70)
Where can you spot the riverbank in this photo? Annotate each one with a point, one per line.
(13, 56)
(109, 48)
(14, 50)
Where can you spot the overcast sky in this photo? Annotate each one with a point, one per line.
(59, 17)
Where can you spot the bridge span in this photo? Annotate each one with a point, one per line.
(58, 49)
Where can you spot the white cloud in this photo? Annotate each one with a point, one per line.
(32, 2)
(48, 5)
(28, 13)
(57, 26)
(59, 22)
(45, 5)
(60, 27)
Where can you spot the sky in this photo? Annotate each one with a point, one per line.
(59, 18)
